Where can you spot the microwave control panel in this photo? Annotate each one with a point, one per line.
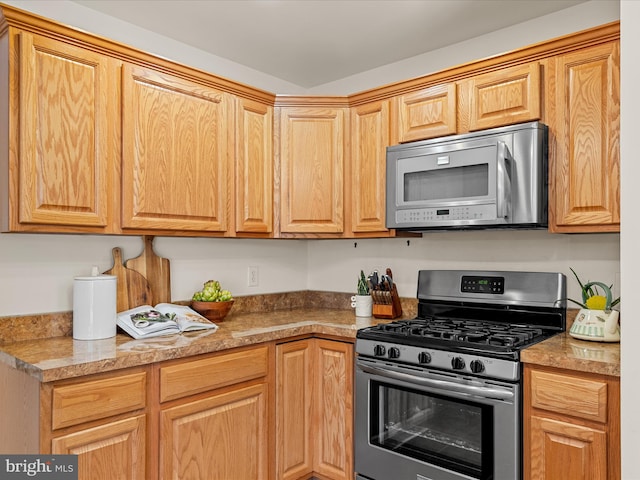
(435, 216)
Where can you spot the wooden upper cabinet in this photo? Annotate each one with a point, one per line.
(585, 114)
(367, 167)
(254, 167)
(176, 169)
(312, 169)
(63, 134)
(502, 97)
(427, 113)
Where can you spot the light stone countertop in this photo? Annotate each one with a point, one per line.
(61, 357)
(564, 351)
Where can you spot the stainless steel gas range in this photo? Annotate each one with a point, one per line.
(439, 397)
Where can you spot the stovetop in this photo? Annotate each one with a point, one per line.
(460, 335)
(472, 321)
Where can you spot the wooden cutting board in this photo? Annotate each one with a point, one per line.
(132, 288)
(155, 269)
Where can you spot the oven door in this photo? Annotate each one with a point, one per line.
(419, 424)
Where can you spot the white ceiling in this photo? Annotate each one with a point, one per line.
(313, 42)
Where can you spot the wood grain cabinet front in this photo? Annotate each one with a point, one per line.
(314, 409)
(370, 136)
(214, 420)
(102, 418)
(428, 113)
(312, 162)
(502, 97)
(60, 157)
(177, 151)
(571, 425)
(254, 168)
(584, 115)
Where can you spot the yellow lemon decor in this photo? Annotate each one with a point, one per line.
(597, 302)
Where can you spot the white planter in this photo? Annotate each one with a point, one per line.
(363, 305)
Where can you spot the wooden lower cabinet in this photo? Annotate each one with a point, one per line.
(219, 437)
(314, 409)
(571, 425)
(99, 447)
(253, 413)
(102, 418)
(214, 422)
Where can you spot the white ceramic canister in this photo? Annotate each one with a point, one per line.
(94, 306)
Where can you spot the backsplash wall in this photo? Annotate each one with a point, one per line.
(36, 271)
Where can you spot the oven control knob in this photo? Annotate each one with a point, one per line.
(394, 352)
(379, 350)
(457, 363)
(476, 366)
(424, 357)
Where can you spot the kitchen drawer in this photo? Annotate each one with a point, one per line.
(95, 399)
(191, 377)
(571, 395)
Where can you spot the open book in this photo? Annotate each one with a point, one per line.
(163, 319)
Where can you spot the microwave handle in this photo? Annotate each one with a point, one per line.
(503, 184)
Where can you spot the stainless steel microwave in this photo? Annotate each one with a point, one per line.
(494, 178)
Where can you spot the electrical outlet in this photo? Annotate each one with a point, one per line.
(252, 277)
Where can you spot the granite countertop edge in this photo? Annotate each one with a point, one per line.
(62, 357)
(565, 352)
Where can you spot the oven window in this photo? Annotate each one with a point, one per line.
(448, 183)
(451, 433)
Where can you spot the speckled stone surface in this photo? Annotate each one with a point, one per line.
(564, 351)
(256, 320)
(42, 345)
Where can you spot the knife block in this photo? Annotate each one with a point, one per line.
(386, 304)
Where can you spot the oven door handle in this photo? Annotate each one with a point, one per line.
(486, 392)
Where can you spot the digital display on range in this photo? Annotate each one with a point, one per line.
(475, 284)
(442, 211)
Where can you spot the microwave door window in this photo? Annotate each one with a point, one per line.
(450, 183)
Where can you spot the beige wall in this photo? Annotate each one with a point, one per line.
(36, 271)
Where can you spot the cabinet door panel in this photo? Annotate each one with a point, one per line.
(108, 452)
(566, 451)
(333, 415)
(254, 167)
(428, 113)
(370, 138)
(175, 171)
(221, 437)
(586, 176)
(293, 410)
(507, 96)
(68, 106)
(312, 170)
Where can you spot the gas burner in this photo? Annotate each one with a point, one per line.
(463, 331)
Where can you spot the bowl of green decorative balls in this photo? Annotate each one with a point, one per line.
(212, 302)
